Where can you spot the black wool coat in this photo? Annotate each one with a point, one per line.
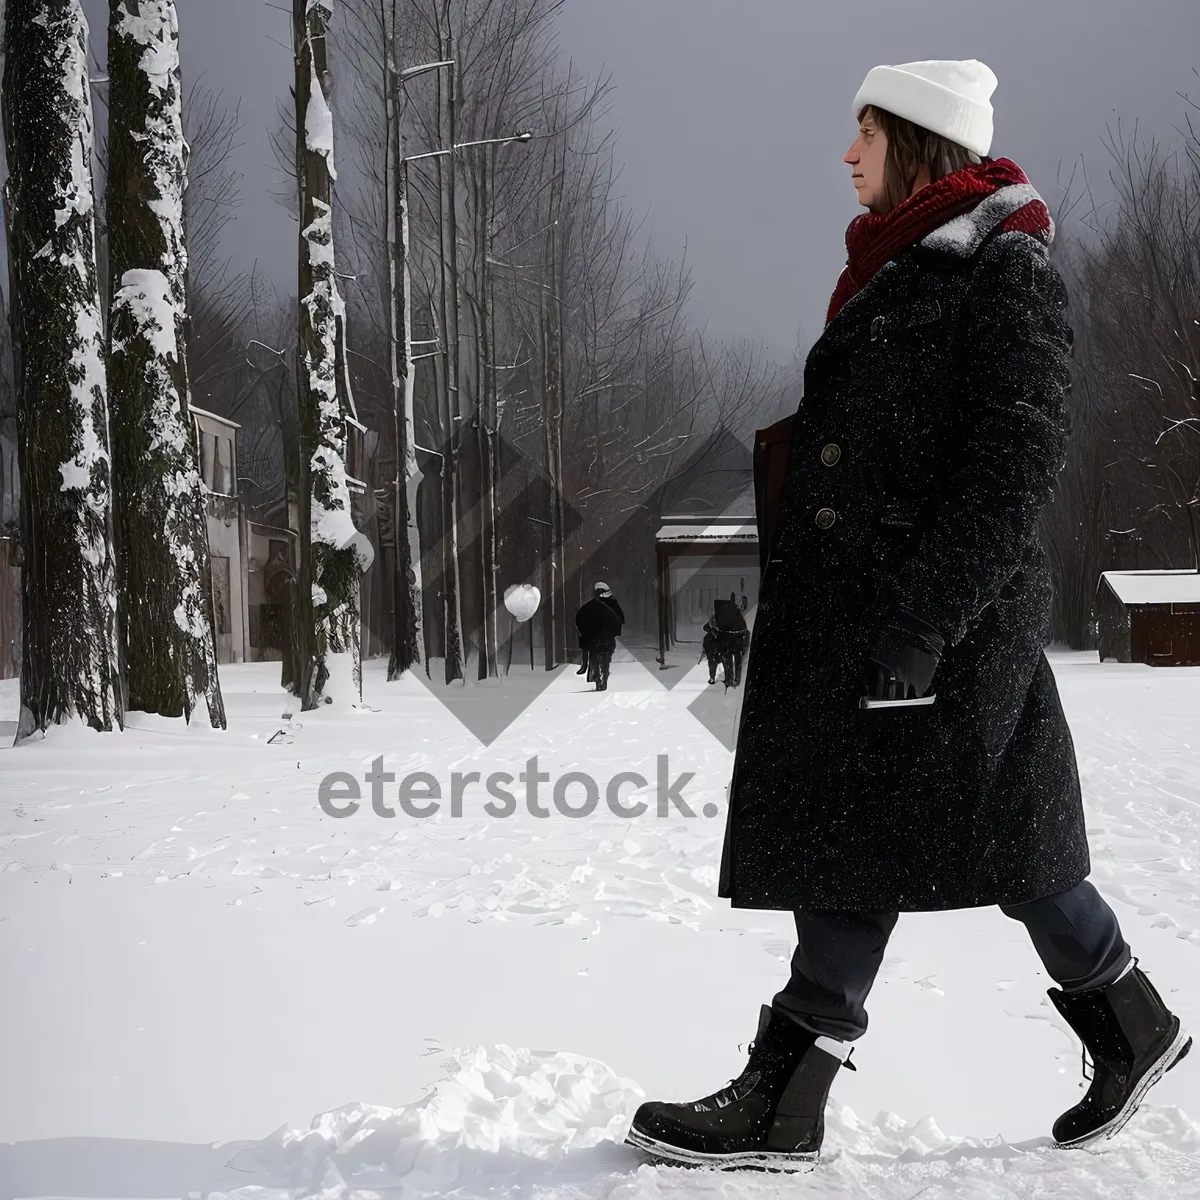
(922, 457)
(598, 625)
(615, 605)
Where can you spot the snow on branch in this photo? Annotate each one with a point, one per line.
(88, 387)
(318, 125)
(89, 390)
(332, 522)
(146, 295)
(76, 197)
(156, 27)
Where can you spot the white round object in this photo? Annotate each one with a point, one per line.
(522, 600)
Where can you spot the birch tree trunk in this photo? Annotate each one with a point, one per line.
(558, 316)
(333, 552)
(553, 399)
(70, 666)
(451, 512)
(467, 459)
(163, 574)
(407, 588)
(488, 425)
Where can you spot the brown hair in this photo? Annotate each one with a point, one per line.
(909, 147)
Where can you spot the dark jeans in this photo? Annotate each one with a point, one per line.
(1075, 933)
(599, 661)
(726, 648)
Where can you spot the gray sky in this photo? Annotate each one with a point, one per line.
(734, 116)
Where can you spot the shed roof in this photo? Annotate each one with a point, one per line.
(1154, 587)
(212, 416)
(738, 511)
(721, 531)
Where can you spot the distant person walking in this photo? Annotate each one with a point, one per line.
(599, 622)
(725, 640)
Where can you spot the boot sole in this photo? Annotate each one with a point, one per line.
(747, 1160)
(1170, 1057)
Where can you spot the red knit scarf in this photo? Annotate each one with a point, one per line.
(873, 239)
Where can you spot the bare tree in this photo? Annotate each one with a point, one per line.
(560, 335)
(379, 228)
(70, 666)
(268, 446)
(1144, 291)
(218, 295)
(1130, 495)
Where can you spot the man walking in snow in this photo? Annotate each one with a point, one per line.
(725, 640)
(599, 623)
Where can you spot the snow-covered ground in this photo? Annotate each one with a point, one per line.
(193, 955)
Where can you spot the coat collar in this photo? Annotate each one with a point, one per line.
(864, 299)
(961, 236)
(958, 238)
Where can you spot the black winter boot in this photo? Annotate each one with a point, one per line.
(771, 1117)
(584, 665)
(1133, 1040)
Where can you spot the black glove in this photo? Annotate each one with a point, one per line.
(904, 658)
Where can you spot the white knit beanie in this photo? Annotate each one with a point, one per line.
(946, 96)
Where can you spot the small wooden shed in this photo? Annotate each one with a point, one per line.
(1150, 617)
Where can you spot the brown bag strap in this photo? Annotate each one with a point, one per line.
(772, 447)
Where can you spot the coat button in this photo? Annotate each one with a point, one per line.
(826, 518)
(831, 455)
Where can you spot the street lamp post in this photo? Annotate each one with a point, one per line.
(458, 635)
(407, 583)
(504, 141)
(407, 586)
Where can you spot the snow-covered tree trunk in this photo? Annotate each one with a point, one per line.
(333, 552)
(70, 668)
(163, 571)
